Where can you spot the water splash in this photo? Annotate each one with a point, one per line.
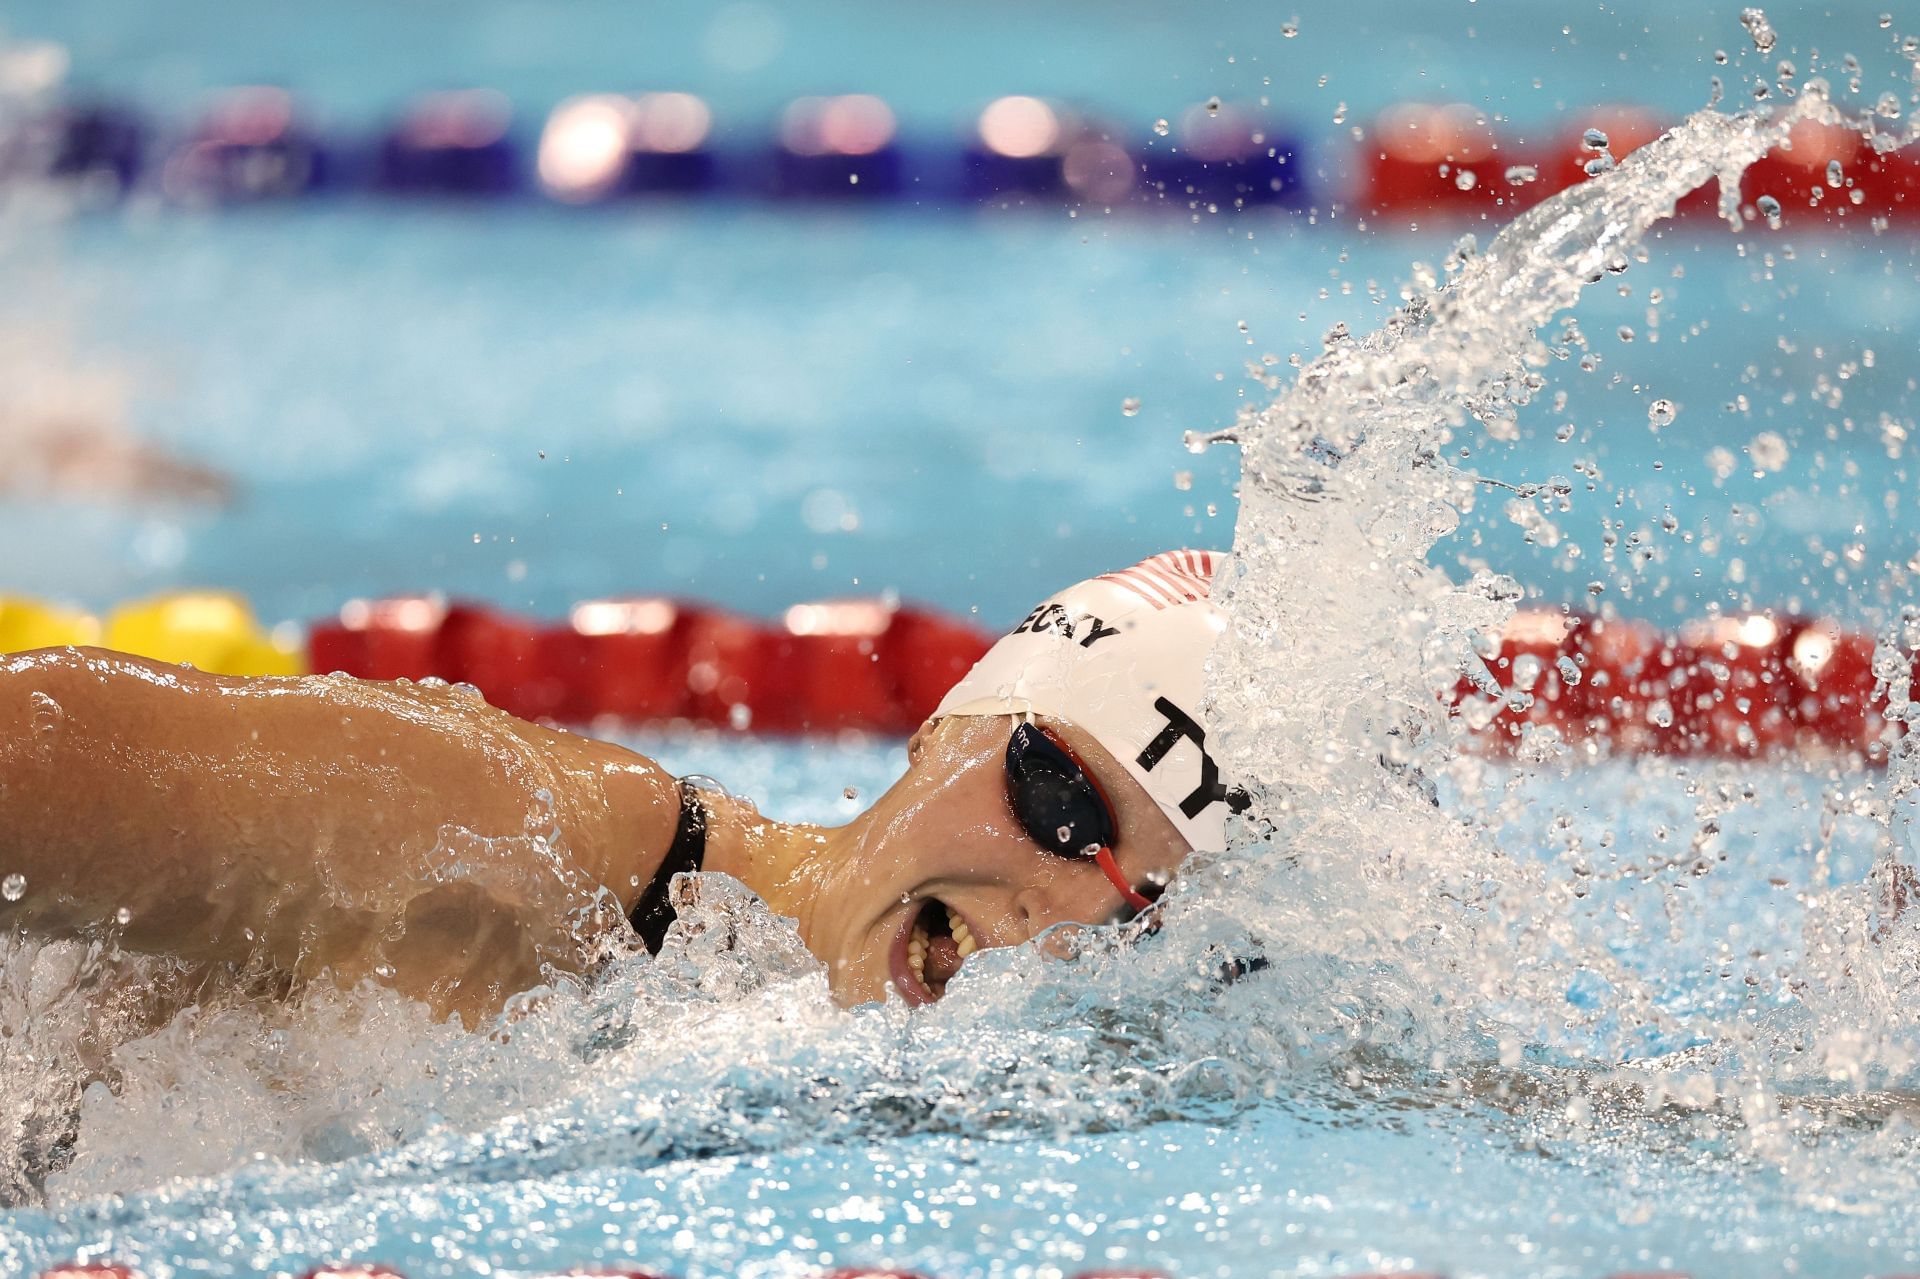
(1342, 624)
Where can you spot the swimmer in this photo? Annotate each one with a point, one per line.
(328, 828)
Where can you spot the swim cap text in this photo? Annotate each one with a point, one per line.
(1084, 627)
(1210, 790)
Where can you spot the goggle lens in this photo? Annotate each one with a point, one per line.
(1061, 807)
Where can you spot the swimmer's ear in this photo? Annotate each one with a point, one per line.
(918, 742)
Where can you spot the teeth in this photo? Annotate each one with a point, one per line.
(963, 940)
(962, 935)
(917, 954)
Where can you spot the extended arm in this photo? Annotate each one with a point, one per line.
(318, 825)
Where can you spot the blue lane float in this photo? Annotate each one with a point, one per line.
(601, 146)
(1018, 149)
(93, 144)
(255, 143)
(455, 143)
(250, 145)
(837, 148)
(1224, 157)
(1027, 149)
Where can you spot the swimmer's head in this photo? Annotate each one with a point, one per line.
(1123, 656)
(1078, 734)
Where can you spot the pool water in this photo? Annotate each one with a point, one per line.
(892, 1149)
(534, 405)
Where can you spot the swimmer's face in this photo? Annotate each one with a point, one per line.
(940, 866)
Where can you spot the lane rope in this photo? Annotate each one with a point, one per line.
(1417, 163)
(1735, 685)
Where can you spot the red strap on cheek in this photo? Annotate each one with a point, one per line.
(1105, 860)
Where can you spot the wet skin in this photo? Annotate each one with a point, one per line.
(326, 827)
(946, 831)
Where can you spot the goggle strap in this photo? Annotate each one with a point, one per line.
(1107, 863)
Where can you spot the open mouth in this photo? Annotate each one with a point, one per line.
(935, 942)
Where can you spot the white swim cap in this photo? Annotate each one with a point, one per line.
(1123, 657)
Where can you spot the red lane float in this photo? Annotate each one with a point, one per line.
(1441, 160)
(1739, 685)
(1626, 129)
(1830, 174)
(1449, 162)
(393, 638)
(853, 664)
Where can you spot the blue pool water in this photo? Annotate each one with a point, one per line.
(1135, 60)
(1688, 1057)
(535, 405)
(1349, 1165)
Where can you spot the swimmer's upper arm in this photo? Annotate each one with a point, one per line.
(320, 824)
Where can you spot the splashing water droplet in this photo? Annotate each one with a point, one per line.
(1755, 21)
(1466, 179)
(47, 715)
(13, 887)
(1161, 127)
(1594, 140)
(1290, 28)
(1768, 451)
(1836, 176)
(1660, 413)
(123, 916)
(1886, 20)
(1183, 481)
(1130, 406)
(1213, 105)
(1521, 174)
(851, 792)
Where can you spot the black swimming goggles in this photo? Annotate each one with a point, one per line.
(1063, 809)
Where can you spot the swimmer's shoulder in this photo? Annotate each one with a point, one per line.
(614, 811)
(618, 809)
